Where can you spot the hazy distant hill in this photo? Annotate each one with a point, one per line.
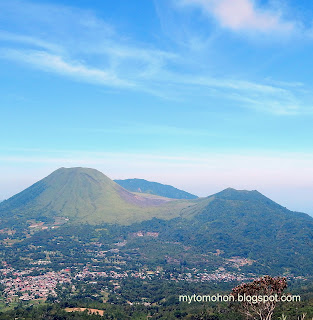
(246, 223)
(85, 195)
(144, 186)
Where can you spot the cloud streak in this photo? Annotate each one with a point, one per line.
(242, 15)
(56, 64)
(102, 56)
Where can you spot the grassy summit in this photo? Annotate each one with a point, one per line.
(86, 195)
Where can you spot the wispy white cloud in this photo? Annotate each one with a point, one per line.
(284, 105)
(243, 15)
(158, 81)
(53, 63)
(261, 97)
(102, 56)
(269, 97)
(76, 36)
(17, 38)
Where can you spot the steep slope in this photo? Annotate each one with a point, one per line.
(236, 223)
(144, 186)
(84, 195)
(248, 224)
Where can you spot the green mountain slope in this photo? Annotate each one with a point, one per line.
(248, 224)
(84, 195)
(144, 186)
(232, 222)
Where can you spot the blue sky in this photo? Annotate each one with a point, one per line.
(199, 94)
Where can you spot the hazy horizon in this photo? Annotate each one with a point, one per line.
(200, 189)
(201, 95)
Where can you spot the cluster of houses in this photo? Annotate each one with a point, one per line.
(25, 286)
(22, 285)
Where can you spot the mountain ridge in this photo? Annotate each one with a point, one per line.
(84, 195)
(236, 222)
(145, 186)
(55, 194)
